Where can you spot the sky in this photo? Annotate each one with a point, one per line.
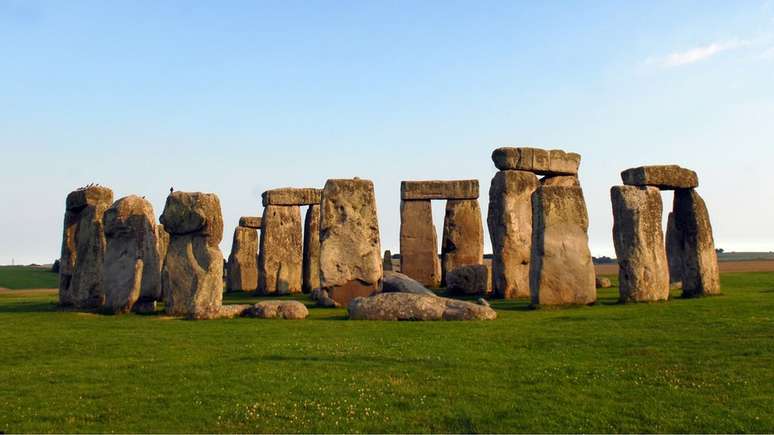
(237, 97)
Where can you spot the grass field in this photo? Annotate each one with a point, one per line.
(26, 277)
(703, 365)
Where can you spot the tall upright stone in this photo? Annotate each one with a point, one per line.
(192, 277)
(561, 268)
(162, 240)
(463, 236)
(350, 250)
(639, 244)
(387, 262)
(674, 251)
(311, 265)
(83, 247)
(419, 243)
(700, 271)
(131, 268)
(242, 266)
(280, 260)
(510, 229)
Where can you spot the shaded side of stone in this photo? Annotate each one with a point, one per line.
(700, 262)
(311, 270)
(242, 265)
(419, 243)
(463, 236)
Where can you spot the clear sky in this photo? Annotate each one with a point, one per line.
(236, 97)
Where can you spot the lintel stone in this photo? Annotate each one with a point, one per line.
(439, 189)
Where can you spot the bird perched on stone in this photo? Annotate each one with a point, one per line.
(171, 189)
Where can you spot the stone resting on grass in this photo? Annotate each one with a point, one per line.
(409, 306)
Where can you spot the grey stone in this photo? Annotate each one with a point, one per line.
(665, 177)
(469, 280)
(280, 261)
(701, 275)
(242, 265)
(311, 266)
(439, 189)
(291, 196)
(419, 243)
(408, 306)
(539, 161)
(463, 236)
(395, 282)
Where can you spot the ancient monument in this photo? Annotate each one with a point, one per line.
(690, 248)
(463, 232)
(192, 277)
(539, 228)
(83, 247)
(131, 274)
(280, 261)
(350, 249)
(242, 265)
(311, 263)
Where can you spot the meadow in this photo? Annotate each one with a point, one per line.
(701, 365)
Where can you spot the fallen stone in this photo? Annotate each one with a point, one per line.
(130, 270)
(469, 280)
(510, 229)
(291, 196)
(419, 243)
(250, 222)
(350, 250)
(311, 266)
(192, 277)
(322, 298)
(643, 272)
(439, 189)
(288, 310)
(665, 177)
(280, 261)
(603, 282)
(539, 161)
(242, 265)
(408, 306)
(83, 248)
(700, 261)
(463, 236)
(562, 272)
(395, 282)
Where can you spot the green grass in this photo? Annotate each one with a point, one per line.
(26, 277)
(701, 365)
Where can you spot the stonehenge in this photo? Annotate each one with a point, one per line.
(280, 262)
(311, 262)
(242, 265)
(131, 271)
(463, 238)
(83, 247)
(192, 277)
(411, 306)
(350, 248)
(687, 256)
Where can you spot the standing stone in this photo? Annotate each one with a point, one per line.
(350, 250)
(312, 249)
(280, 261)
(192, 277)
(419, 243)
(387, 262)
(162, 240)
(643, 272)
(463, 235)
(561, 271)
(700, 261)
(83, 247)
(510, 228)
(131, 270)
(674, 251)
(242, 266)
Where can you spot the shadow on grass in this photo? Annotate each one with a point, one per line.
(29, 307)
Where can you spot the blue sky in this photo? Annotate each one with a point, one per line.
(236, 97)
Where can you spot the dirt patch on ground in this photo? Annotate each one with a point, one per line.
(725, 266)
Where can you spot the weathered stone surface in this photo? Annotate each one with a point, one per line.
(291, 196)
(643, 272)
(665, 177)
(560, 180)
(419, 243)
(162, 244)
(83, 247)
(603, 282)
(311, 270)
(192, 277)
(463, 235)
(130, 270)
(387, 261)
(469, 280)
(280, 262)
(510, 229)
(395, 282)
(242, 266)
(700, 261)
(561, 271)
(251, 222)
(408, 306)
(323, 299)
(439, 189)
(350, 250)
(539, 161)
(289, 310)
(674, 250)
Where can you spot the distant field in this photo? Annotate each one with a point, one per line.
(725, 266)
(27, 277)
